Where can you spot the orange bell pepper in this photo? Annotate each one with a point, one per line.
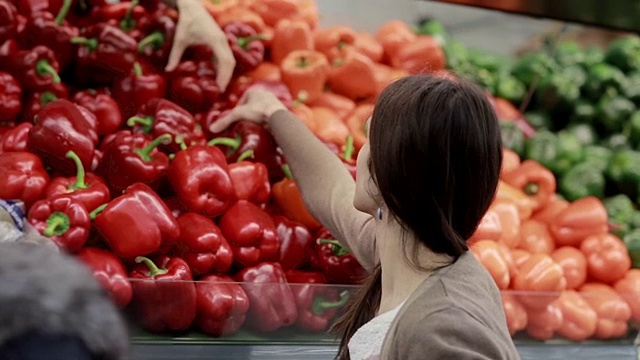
(247, 3)
(581, 219)
(539, 273)
(607, 257)
(490, 228)
(510, 194)
(534, 180)
(353, 76)
(329, 126)
(519, 257)
(367, 45)
(629, 288)
(579, 320)
(515, 313)
(612, 310)
(290, 35)
(505, 109)
(305, 73)
(574, 265)
(287, 197)
(510, 161)
(492, 257)
(357, 123)
(385, 75)
(215, 8)
(510, 221)
(342, 106)
(543, 323)
(272, 11)
(535, 238)
(309, 12)
(392, 35)
(305, 114)
(334, 41)
(550, 211)
(266, 71)
(421, 56)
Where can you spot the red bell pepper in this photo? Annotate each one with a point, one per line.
(246, 46)
(8, 52)
(273, 305)
(175, 206)
(133, 91)
(160, 117)
(37, 100)
(64, 220)
(23, 177)
(245, 135)
(222, 305)
(155, 47)
(335, 261)
(87, 189)
(164, 295)
(105, 53)
(63, 126)
(251, 233)
(36, 69)
(130, 159)
(295, 242)
(125, 15)
(200, 176)
(15, 139)
(103, 106)
(120, 221)
(194, 86)
(250, 180)
(202, 245)
(10, 97)
(8, 21)
(109, 271)
(279, 89)
(317, 303)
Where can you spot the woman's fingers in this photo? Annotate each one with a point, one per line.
(226, 63)
(241, 112)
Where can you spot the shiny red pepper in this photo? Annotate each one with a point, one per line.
(23, 177)
(120, 220)
(251, 233)
(222, 305)
(250, 180)
(155, 47)
(164, 295)
(37, 100)
(125, 15)
(202, 245)
(63, 126)
(194, 86)
(109, 272)
(133, 91)
(103, 106)
(335, 261)
(246, 46)
(86, 188)
(8, 21)
(63, 220)
(15, 139)
(36, 69)
(273, 305)
(10, 97)
(295, 242)
(8, 52)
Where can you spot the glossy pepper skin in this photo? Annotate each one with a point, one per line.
(8, 50)
(317, 304)
(289, 200)
(295, 242)
(250, 181)
(104, 54)
(607, 257)
(305, 72)
(613, 311)
(10, 97)
(136, 89)
(120, 221)
(334, 260)
(24, 177)
(109, 271)
(222, 305)
(9, 21)
(155, 47)
(104, 107)
(86, 188)
(290, 35)
(273, 304)
(132, 158)
(193, 86)
(251, 233)
(202, 245)
(541, 273)
(36, 69)
(37, 100)
(246, 46)
(579, 320)
(63, 126)
(200, 176)
(534, 180)
(581, 219)
(492, 256)
(334, 41)
(424, 55)
(63, 220)
(164, 295)
(353, 75)
(15, 139)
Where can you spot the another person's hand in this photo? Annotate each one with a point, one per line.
(256, 105)
(195, 26)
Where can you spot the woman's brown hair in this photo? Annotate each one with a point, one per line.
(435, 157)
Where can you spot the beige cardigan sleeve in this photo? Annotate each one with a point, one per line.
(327, 187)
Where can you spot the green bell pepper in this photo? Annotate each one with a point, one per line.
(532, 65)
(538, 119)
(558, 91)
(583, 112)
(457, 55)
(510, 88)
(614, 112)
(624, 172)
(624, 53)
(632, 89)
(543, 148)
(620, 210)
(569, 152)
(592, 56)
(512, 136)
(634, 223)
(617, 142)
(488, 61)
(633, 130)
(604, 79)
(435, 29)
(569, 53)
(585, 134)
(632, 242)
(598, 156)
(581, 181)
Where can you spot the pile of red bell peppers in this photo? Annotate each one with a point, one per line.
(114, 162)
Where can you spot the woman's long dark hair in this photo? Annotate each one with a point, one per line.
(435, 156)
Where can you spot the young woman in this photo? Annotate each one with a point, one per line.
(424, 180)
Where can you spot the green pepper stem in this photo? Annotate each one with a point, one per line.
(303, 96)
(47, 97)
(64, 10)
(338, 250)
(80, 174)
(127, 23)
(145, 122)
(349, 149)
(244, 42)
(245, 155)
(44, 68)
(97, 211)
(287, 171)
(155, 39)
(531, 189)
(137, 69)
(57, 224)
(320, 305)
(145, 152)
(153, 268)
(226, 141)
(92, 43)
(302, 62)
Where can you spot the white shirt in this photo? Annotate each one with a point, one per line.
(366, 343)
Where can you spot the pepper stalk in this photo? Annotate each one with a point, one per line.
(320, 305)
(80, 173)
(154, 270)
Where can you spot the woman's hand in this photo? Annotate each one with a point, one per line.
(256, 105)
(195, 26)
